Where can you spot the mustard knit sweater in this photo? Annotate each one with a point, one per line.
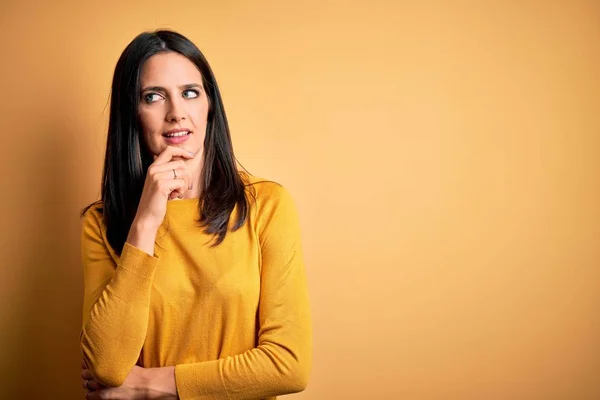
(233, 319)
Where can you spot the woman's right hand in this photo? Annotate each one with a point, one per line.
(161, 185)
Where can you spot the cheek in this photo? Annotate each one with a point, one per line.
(148, 127)
(199, 114)
(147, 123)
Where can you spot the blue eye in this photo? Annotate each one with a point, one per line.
(195, 94)
(148, 98)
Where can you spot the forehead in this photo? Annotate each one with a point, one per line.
(169, 69)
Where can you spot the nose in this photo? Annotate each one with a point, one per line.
(176, 111)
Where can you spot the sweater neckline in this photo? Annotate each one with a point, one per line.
(182, 202)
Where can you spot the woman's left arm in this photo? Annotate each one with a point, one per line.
(281, 362)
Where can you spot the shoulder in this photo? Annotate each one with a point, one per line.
(94, 241)
(266, 193)
(93, 220)
(273, 204)
(93, 212)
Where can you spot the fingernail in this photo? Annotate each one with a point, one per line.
(191, 154)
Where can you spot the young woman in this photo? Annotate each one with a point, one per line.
(195, 285)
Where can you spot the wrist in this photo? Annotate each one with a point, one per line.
(146, 379)
(143, 224)
(142, 235)
(160, 383)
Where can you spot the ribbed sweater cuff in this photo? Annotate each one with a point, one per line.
(200, 381)
(135, 275)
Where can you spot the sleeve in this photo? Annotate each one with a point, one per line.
(281, 362)
(115, 304)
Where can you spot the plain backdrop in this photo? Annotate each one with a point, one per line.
(443, 155)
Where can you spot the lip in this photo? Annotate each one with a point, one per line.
(177, 130)
(177, 139)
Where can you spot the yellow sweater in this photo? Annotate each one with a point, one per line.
(233, 319)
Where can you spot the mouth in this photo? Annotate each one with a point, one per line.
(177, 136)
(178, 133)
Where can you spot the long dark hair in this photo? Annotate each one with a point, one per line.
(127, 160)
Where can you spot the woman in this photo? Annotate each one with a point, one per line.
(194, 279)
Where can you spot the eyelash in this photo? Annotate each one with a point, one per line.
(145, 98)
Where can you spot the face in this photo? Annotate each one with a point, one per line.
(173, 105)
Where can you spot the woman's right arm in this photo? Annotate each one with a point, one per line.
(116, 303)
(117, 296)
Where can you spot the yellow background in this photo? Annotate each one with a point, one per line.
(444, 157)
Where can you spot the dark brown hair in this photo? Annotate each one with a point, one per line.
(127, 160)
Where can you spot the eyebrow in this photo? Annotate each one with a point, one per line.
(182, 87)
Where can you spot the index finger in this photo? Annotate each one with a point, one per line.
(169, 152)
